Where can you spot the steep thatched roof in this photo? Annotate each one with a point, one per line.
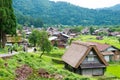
(77, 52)
(100, 46)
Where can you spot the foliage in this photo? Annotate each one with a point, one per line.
(91, 30)
(3, 50)
(119, 39)
(7, 21)
(16, 47)
(62, 13)
(19, 27)
(70, 41)
(34, 37)
(2, 63)
(44, 43)
(102, 33)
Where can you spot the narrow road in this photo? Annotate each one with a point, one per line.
(13, 53)
(8, 54)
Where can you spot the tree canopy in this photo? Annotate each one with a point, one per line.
(55, 13)
(40, 39)
(7, 20)
(34, 37)
(44, 43)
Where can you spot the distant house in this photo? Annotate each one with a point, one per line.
(109, 52)
(85, 31)
(27, 31)
(99, 37)
(85, 59)
(14, 39)
(60, 40)
(70, 32)
(52, 31)
(67, 31)
(114, 33)
(108, 55)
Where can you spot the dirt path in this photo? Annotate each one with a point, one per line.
(8, 54)
(13, 53)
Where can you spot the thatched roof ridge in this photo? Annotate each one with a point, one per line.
(83, 43)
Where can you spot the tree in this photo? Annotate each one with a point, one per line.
(7, 21)
(44, 43)
(91, 30)
(34, 37)
(77, 29)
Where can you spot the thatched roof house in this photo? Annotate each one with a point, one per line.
(85, 59)
(14, 39)
(109, 52)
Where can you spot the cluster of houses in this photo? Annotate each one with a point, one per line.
(89, 58)
(101, 30)
(60, 38)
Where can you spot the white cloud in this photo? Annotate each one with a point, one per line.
(93, 3)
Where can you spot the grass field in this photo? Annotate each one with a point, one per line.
(108, 40)
(3, 51)
(114, 69)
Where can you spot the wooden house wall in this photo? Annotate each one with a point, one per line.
(109, 58)
(90, 71)
(93, 72)
(91, 58)
(116, 56)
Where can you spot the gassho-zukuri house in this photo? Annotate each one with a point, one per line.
(85, 59)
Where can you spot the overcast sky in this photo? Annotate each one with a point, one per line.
(93, 3)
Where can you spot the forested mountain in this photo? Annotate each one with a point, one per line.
(114, 8)
(33, 12)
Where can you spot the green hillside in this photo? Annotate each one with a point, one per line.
(62, 13)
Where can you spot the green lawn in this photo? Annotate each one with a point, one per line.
(108, 40)
(3, 51)
(114, 70)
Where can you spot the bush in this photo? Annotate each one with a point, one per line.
(17, 48)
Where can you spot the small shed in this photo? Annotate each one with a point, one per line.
(85, 59)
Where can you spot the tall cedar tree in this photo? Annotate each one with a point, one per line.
(7, 21)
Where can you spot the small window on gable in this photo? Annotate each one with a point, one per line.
(91, 58)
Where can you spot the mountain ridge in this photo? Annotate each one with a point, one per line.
(53, 13)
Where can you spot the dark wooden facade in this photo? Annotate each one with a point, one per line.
(90, 66)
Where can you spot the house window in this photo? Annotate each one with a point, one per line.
(90, 58)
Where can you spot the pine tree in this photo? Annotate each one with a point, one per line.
(7, 21)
